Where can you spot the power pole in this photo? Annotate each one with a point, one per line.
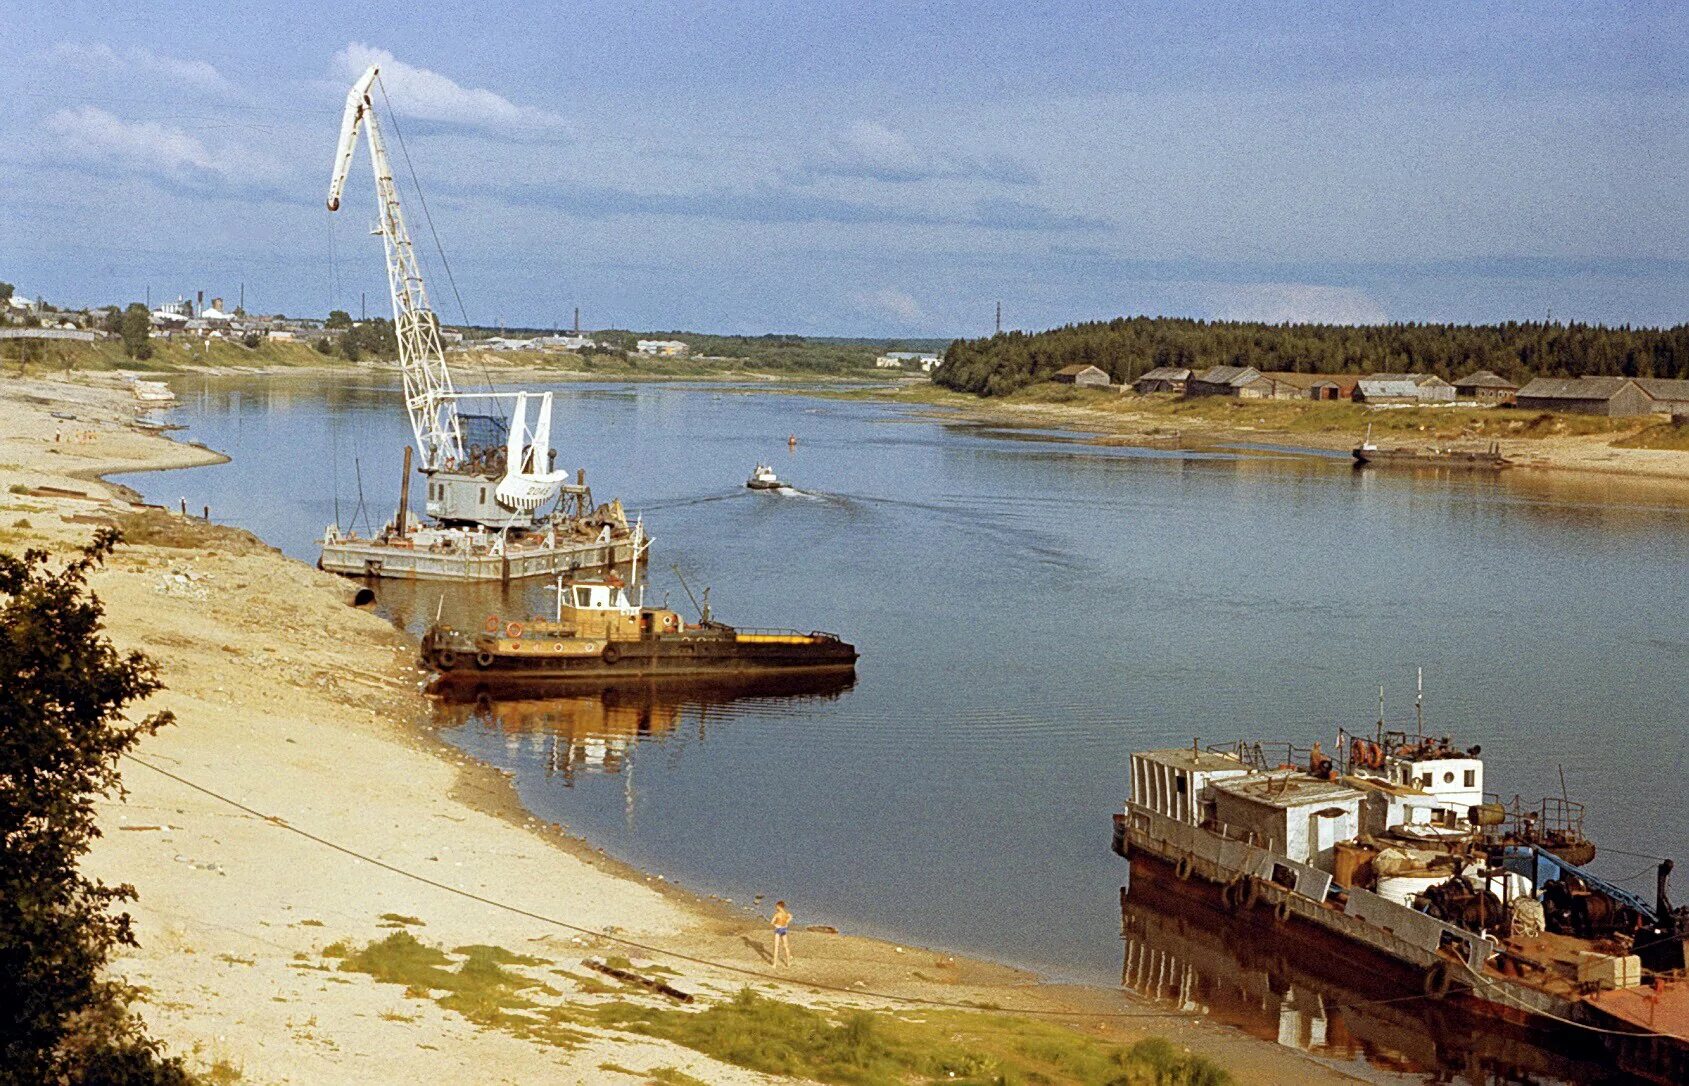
(999, 318)
(363, 307)
(242, 306)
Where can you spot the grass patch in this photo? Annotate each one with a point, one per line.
(17, 488)
(472, 981)
(308, 923)
(862, 1048)
(402, 920)
(1672, 435)
(498, 955)
(672, 1076)
(158, 528)
(223, 1073)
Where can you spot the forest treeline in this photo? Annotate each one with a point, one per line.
(1128, 346)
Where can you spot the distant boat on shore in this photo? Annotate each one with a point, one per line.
(1367, 454)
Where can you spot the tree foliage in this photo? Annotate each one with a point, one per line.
(135, 326)
(63, 690)
(338, 318)
(1128, 346)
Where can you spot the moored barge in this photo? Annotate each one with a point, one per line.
(600, 636)
(1390, 856)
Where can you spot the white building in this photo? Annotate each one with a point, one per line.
(662, 348)
(897, 360)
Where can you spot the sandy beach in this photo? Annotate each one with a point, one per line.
(354, 822)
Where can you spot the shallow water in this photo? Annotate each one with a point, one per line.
(1030, 610)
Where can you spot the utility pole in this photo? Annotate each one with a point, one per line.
(999, 318)
(242, 306)
(577, 321)
(149, 297)
(363, 307)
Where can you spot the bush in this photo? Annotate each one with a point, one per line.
(63, 692)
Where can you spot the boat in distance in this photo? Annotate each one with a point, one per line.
(1367, 454)
(764, 478)
(600, 636)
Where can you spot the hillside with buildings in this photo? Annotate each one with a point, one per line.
(1227, 355)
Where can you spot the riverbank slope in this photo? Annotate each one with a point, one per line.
(305, 711)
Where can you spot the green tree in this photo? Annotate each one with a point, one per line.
(63, 691)
(348, 344)
(338, 318)
(136, 328)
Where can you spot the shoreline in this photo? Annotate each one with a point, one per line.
(290, 701)
(1107, 419)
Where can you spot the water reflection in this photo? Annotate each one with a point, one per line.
(595, 732)
(1182, 948)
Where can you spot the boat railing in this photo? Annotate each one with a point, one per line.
(1263, 757)
(1553, 817)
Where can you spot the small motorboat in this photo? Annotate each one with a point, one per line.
(763, 478)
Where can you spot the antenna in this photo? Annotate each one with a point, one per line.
(702, 615)
(1381, 714)
(1419, 703)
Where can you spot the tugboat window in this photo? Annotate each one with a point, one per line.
(1471, 778)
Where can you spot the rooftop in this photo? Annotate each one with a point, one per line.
(1189, 758)
(1484, 379)
(1287, 788)
(1574, 388)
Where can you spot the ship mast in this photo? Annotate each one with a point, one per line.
(429, 396)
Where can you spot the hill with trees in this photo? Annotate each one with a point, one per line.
(1128, 346)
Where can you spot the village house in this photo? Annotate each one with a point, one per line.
(1284, 385)
(924, 361)
(1486, 389)
(1670, 396)
(1089, 376)
(1221, 380)
(1431, 388)
(662, 348)
(1614, 396)
(1163, 379)
(1373, 391)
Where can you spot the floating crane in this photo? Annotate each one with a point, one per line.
(493, 487)
(457, 467)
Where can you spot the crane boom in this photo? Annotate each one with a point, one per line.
(430, 398)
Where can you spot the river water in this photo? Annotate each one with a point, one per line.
(1030, 609)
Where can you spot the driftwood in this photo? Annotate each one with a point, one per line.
(662, 987)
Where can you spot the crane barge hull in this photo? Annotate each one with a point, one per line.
(386, 559)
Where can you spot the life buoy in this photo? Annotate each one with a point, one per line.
(1251, 893)
(611, 654)
(1231, 894)
(1281, 911)
(445, 659)
(492, 624)
(484, 659)
(1182, 871)
(1438, 980)
(513, 630)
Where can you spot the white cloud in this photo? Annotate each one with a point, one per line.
(897, 304)
(871, 150)
(90, 135)
(419, 92)
(100, 58)
(1280, 303)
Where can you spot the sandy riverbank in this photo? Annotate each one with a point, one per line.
(299, 706)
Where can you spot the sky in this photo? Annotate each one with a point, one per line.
(872, 169)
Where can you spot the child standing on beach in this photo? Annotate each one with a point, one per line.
(782, 921)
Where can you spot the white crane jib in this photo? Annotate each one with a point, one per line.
(430, 397)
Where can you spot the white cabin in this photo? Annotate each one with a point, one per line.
(1290, 813)
(1171, 782)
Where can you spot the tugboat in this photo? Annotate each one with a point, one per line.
(599, 636)
(763, 478)
(1388, 855)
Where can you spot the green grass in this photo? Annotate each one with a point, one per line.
(863, 1048)
(168, 355)
(672, 1076)
(472, 981)
(1663, 435)
(484, 984)
(223, 1073)
(402, 920)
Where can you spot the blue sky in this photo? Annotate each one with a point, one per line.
(868, 169)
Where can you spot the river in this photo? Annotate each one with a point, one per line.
(1030, 609)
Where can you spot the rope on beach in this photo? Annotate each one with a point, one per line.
(863, 993)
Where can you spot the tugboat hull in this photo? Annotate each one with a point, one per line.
(710, 653)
